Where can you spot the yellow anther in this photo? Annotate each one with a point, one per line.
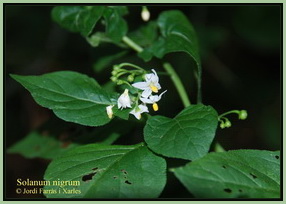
(154, 88)
(155, 107)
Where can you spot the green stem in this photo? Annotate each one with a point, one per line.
(130, 65)
(229, 112)
(218, 148)
(132, 44)
(178, 84)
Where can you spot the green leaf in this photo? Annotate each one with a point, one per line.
(145, 35)
(177, 35)
(123, 114)
(88, 18)
(36, 145)
(72, 96)
(187, 136)
(66, 16)
(78, 18)
(116, 26)
(108, 172)
(233, 174)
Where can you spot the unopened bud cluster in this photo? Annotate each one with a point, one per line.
(225, 122)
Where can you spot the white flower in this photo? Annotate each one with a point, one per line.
(150, 85)
(138, 110)
(153, 100)
(109, 111)
(124, 100)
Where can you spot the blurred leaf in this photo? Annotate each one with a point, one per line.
(66, 16)
(72, 96)
(36, 145)
(121, 10)
(95, 39)
(78, 18)
(187, 136)
(88, 18)
(106, 61)
(116, 26)
(108, 172)
(233, 174)
(54, 140)
(177, 35)
(145, 35)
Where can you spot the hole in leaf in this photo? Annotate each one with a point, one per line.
(88, 177)
(127, 182)
(227, 190)
(115, 177)
(94, 169)
(253, 176)
(277, 157)
(224, 166)
(124, 171)
(240, 190)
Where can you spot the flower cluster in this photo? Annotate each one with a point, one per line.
(144, 95)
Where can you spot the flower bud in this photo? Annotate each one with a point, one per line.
(222, 125)
(113, 78)
(114, 72)
(119, 82)
(242, 115)
(227, 124)
(130, 78)
(145, 14)
(116, 67)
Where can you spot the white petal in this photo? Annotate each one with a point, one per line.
(148, 77)
(119, 104)
(124, 100)
(146, 93)
(157, 85)
(146, 100)
(143, 108)
(141, 85)
(162, 94)
(136, 114)
(155, 78)
(109, 111)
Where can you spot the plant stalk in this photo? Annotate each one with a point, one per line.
(178, 84)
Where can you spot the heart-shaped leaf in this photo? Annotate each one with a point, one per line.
(103, 171)
(233, 174)
(187, 136)
(72, 96)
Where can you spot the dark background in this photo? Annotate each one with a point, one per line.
(241, 57)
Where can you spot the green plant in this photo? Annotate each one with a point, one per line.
(139, 171)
